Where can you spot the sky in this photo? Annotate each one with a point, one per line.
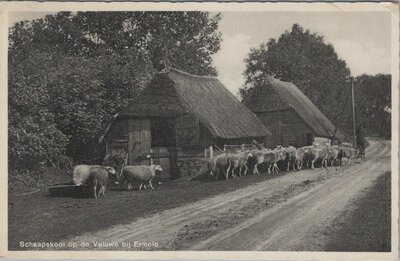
(362, 39)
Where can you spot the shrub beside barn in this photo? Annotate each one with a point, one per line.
(176, 118)
(291, 117)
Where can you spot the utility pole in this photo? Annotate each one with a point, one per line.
(354, 115)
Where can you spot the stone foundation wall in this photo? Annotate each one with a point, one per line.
(192, 167)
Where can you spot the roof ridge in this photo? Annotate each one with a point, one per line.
(169, 68)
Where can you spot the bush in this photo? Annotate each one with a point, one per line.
(30, 145)
(115, 159)
(33, 133)
(22, 181)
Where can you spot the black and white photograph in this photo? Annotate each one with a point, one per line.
(210, 128)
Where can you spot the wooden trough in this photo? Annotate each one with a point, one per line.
(69, 190)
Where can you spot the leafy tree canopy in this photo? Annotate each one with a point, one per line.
(69, 73)
(373, 103)
(186, 40)
(33, 133)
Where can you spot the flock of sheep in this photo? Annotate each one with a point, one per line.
(230, 164)
(233, 164)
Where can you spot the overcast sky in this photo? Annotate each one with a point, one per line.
(361, 39)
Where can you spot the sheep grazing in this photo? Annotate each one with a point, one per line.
(236, 160)
(81, 173)
(291, 157)
(217, 164)
(282, 157)
(320, 153)
(98, 179)
(143, 173)
(270, 158)
(307, 156)
(333, 154)
(279, 155)
(345, 152)
(301, 153)
(260, 157)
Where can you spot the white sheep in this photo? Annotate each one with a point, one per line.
(236, 160)
(142, 173)
(81, 173)
(98, 179)
(217, 165)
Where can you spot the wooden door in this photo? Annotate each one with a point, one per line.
(139, 141)
(167, 158)
(173, 162)
(161, 157)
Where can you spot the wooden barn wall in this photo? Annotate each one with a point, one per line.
(205, 138)
(287, 128)
(139, 139)
(162, 157)
(187, 131)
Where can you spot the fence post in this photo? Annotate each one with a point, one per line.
(211, 152)
(151, 157)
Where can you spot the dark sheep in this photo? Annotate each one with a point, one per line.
(98, 179)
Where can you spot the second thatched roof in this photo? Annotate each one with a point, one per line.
(278, 95)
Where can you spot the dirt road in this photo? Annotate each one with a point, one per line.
(287, 213)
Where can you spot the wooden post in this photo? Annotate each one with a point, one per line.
(151, 157)
(354, 115)
(211, 152)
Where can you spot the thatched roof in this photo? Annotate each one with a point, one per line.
(173, 93)
(278, 95)
(107, 129)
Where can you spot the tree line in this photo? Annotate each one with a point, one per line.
(69, 73)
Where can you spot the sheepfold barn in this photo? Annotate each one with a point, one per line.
(176, 117)
(290, 116)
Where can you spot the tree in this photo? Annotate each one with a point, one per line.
(33, 135)
(373, 103)
(304, 59)
(79, 105)
(83, 105)
(186, 40)
(82, 68)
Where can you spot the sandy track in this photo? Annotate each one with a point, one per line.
(298, 224)
(284, 213)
